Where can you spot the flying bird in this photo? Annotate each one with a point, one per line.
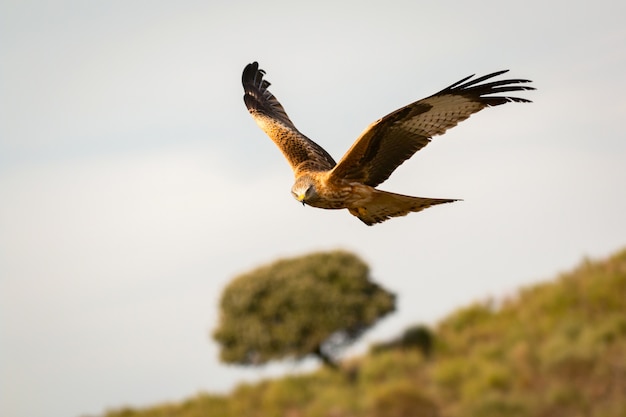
(381, 148)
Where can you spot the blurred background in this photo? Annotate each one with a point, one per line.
(134, 184)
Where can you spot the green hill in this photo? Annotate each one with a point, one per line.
(555, 349)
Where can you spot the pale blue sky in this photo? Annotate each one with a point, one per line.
(134, 183)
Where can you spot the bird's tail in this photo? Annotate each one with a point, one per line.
(385, 205)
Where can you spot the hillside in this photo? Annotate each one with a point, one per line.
(555, 349)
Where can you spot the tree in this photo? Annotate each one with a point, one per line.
(311, 305)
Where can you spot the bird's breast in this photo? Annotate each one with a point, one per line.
(331, 195)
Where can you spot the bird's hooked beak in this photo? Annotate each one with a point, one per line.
(300, 198)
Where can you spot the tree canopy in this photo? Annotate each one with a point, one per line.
(314, 304)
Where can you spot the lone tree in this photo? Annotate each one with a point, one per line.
(315, 304)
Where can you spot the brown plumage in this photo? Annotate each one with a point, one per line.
(381, 148)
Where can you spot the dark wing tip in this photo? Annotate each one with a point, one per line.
(249, 71)
(473, 88)
(253, 83)
(252, 77)
(257, 97)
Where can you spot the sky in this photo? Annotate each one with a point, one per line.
(134, 184)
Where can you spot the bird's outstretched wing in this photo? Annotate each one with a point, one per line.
(390, 141)
(272, 118)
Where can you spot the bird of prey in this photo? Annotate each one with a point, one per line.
(381, 148)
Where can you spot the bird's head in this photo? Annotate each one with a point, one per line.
(304, 190)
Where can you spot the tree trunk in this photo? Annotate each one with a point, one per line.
(326, 360)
